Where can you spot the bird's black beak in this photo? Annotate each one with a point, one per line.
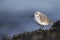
(32, 15)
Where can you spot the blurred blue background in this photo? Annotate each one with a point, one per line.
(15, 14)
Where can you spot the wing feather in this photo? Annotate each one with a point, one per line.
(44, 18)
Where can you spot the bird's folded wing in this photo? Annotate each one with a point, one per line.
(44, 18)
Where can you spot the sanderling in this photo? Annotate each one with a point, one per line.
(42, 19)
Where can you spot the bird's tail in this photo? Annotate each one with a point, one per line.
(51, 23)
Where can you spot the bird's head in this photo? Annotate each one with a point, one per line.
(37, 13)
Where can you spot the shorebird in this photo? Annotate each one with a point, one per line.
(41, 19)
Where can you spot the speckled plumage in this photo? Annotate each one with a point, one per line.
(42, 19)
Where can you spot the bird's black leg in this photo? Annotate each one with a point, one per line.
(42, 27)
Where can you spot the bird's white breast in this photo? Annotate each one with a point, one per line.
(39, 21)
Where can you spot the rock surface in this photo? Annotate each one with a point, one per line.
(52, 34)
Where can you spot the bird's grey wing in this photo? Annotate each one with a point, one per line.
(44, 19)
